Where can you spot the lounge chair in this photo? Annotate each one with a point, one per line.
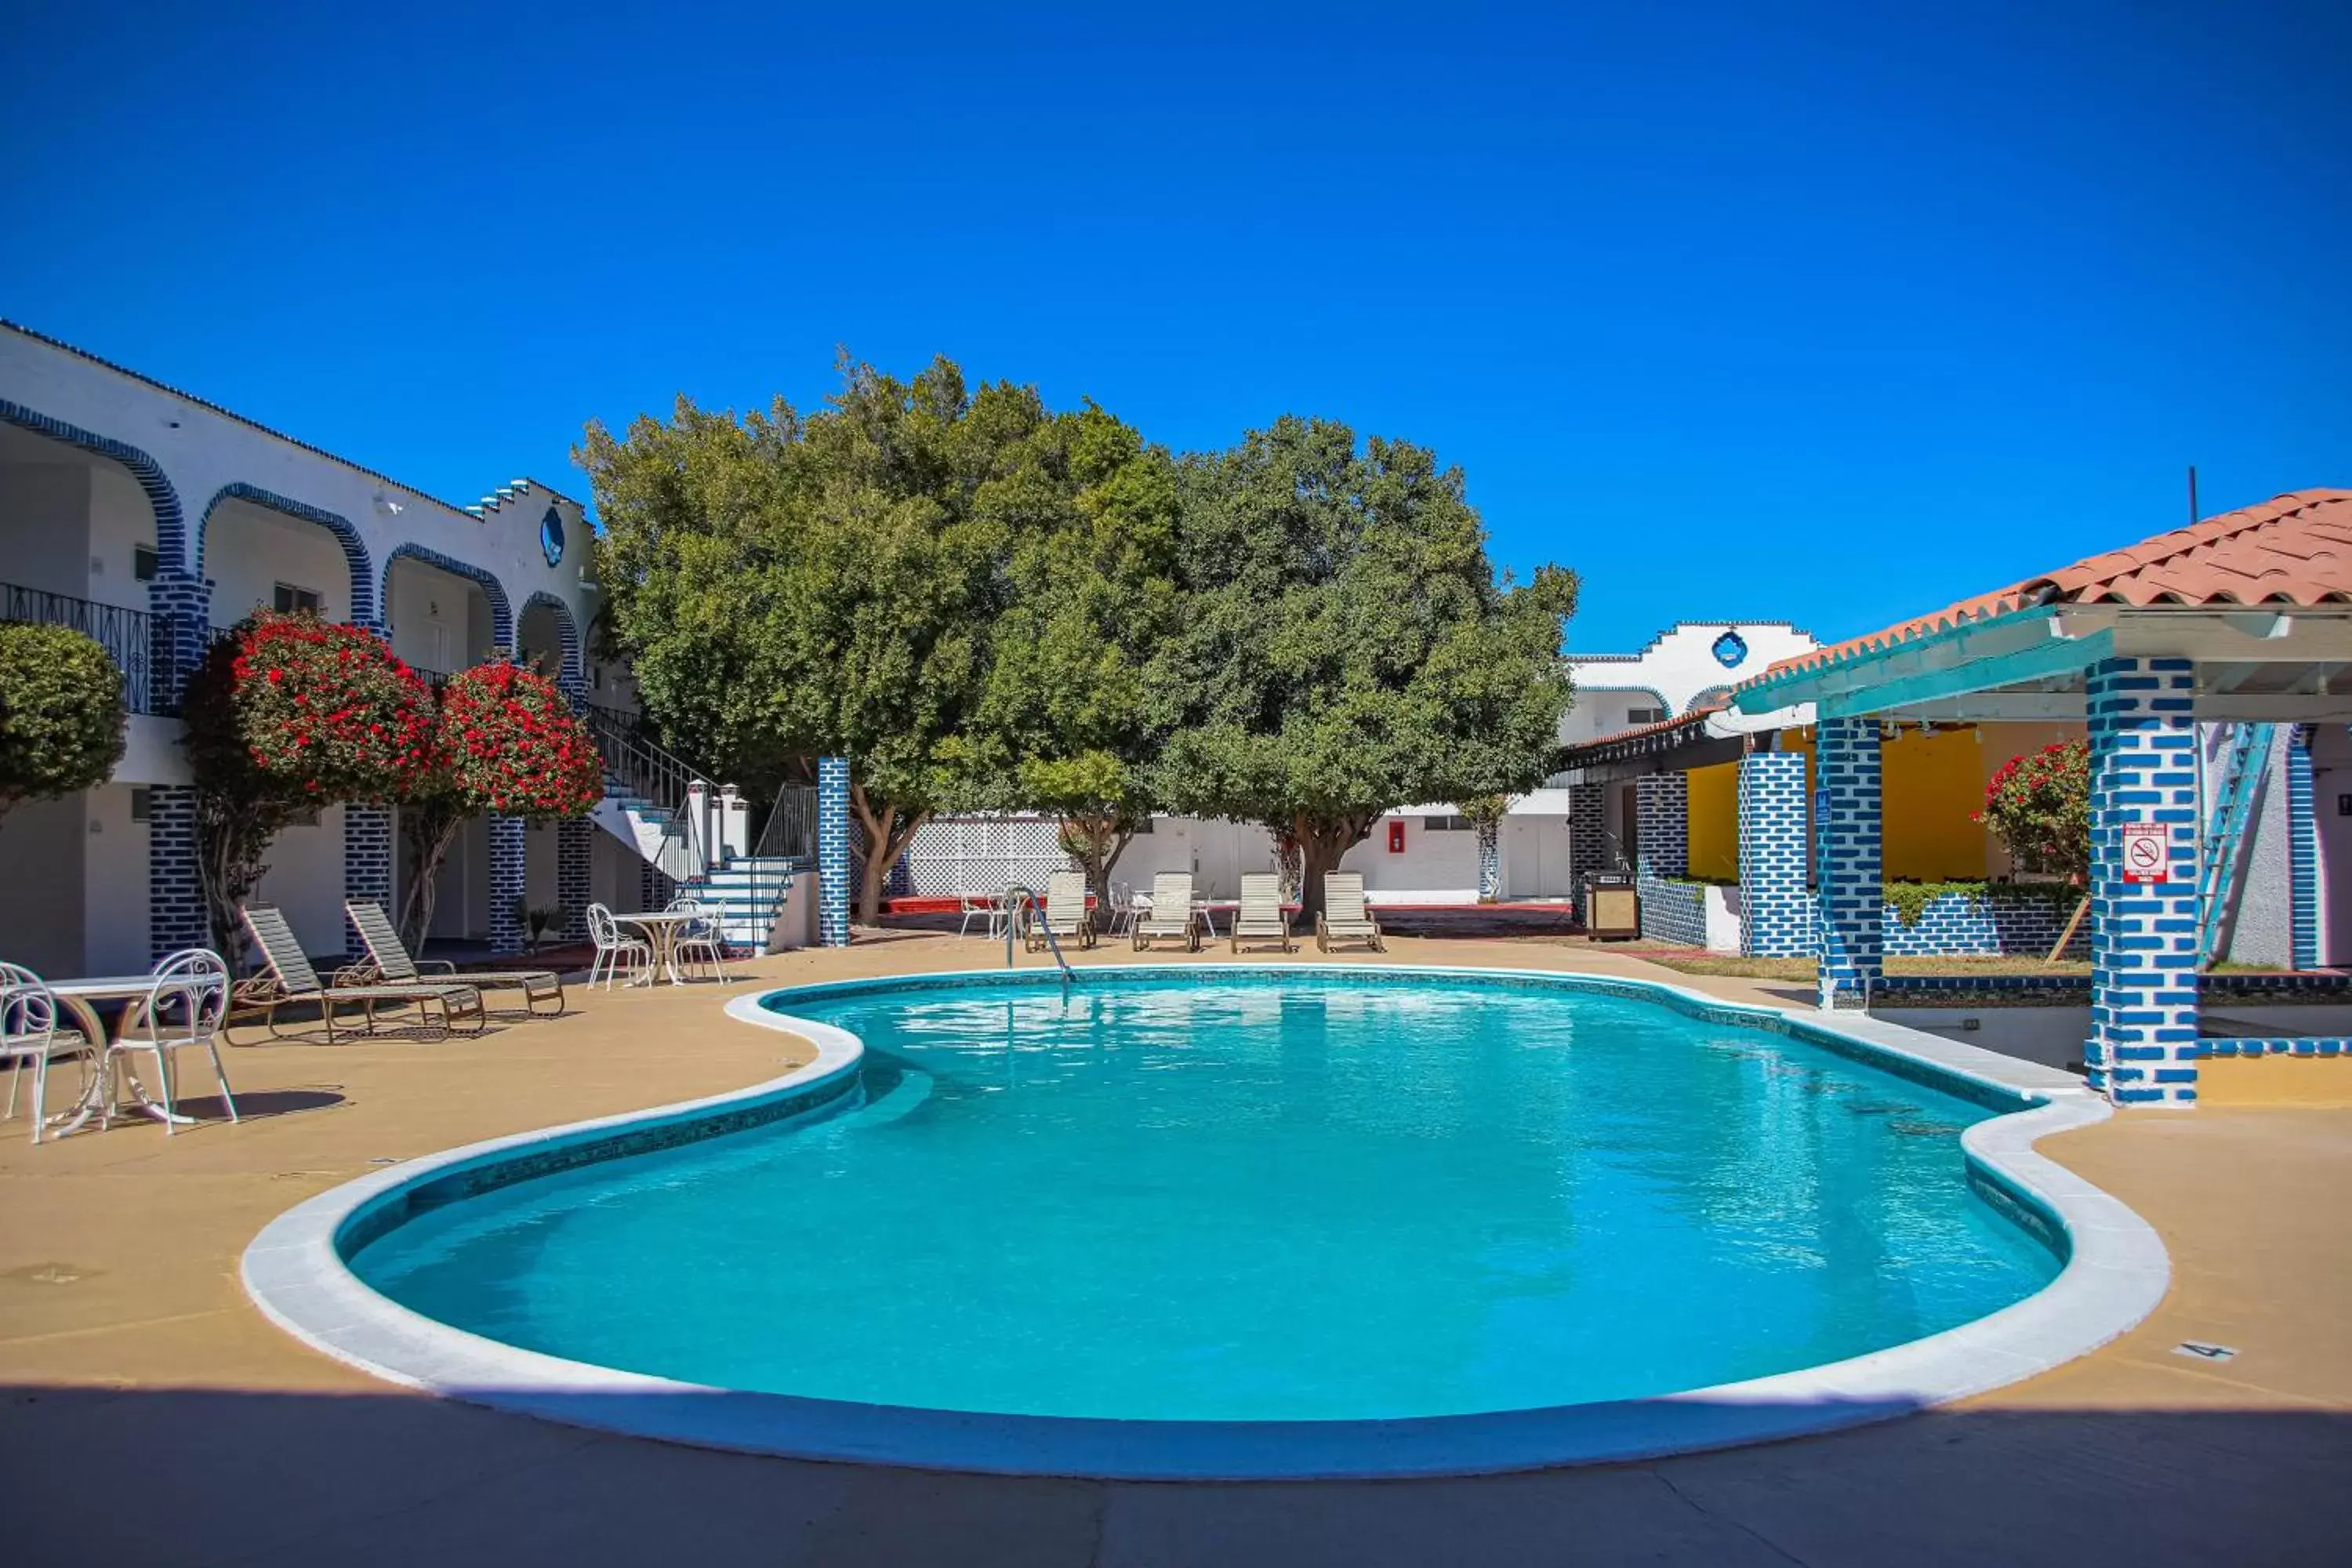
(1064, 912)
(1262, 917)
(290, 980)
(1345, 917)
(1170, 913)
(393, 966)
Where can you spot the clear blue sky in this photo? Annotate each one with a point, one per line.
(1831, 312)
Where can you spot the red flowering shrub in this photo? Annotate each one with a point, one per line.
(505, 741)
(2039, 804)
(289, 714)
(511, 745)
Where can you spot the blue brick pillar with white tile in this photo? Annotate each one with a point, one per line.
(1847, 864)
(1776, 908)
(575, 840)
(507, 861)
(180, 628)
(2142, 1048)
(367, 864)
(1588, 828)
(2302, 851)
(177, 916)
(833, 851)
(1662, 825)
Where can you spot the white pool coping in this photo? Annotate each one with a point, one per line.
(2116, 1275)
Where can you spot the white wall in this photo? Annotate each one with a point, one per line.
(45, 523)
(1436, 866)
(248, 551)
(114, 884)
(306, 879)
(120, 517)
(41, 882)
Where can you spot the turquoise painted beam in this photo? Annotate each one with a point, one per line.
(2059, 655)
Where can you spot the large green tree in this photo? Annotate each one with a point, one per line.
(1343, 645)
(847, 582)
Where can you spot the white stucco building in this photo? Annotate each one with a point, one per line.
(149, 519)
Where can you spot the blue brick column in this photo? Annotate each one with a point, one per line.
(1587, 832)
(506, 929)
(1776, 909)
(655, 888)
(2302, 852)
(2142, 1048)
(180, 628)
(175, 895)
(833, 851)
(575, 841)
(1848, 873)
(367, 864)
(1662, 825)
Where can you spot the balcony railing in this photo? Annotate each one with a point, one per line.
(125, 635)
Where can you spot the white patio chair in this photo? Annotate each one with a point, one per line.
(1122, 909)
(988, 909)
(29, 1036)
(702, 937)
(1171, 913)
(614, 952)
(183, 1010)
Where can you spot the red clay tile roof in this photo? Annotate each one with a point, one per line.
(1679, 721)
(2295, 549)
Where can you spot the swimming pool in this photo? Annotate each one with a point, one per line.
(1195, 1202)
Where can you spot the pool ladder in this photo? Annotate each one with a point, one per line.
(1018, 900)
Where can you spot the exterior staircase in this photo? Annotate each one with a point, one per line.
(667, 816)
(2245, 755)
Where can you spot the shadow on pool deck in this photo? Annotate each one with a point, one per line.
(192, 1478)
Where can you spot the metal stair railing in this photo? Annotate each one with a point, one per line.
(2216, 861)
(786, 846)
(688, 848)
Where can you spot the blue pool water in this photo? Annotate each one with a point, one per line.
(1241, 1198)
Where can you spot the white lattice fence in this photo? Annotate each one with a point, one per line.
(983, 854)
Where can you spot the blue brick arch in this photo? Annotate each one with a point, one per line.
(364, 603)
(502, 623)
(171, 526)
(572, 675)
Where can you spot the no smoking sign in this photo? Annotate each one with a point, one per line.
(2146, 855)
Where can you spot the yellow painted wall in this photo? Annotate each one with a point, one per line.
(1713, 828)
(1931, 785)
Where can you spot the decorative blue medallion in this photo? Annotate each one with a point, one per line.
(551, 542)
(1729, 649)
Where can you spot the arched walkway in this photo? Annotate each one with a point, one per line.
(502, 624)
(364, 595)
(170, 528)
(572, 674)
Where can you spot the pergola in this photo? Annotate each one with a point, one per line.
(2245, 617)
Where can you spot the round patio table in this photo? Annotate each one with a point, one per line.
(660, 927)
(104, 1081)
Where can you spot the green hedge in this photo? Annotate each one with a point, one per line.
(62, 719)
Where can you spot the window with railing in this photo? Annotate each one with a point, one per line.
(124, 634)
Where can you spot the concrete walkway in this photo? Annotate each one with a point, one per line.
(148, 1415)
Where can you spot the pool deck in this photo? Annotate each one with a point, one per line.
(152, 1415)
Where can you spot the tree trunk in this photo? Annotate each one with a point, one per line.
(889, 828)
(1321, 843)
(1096, 843)
(427, 836)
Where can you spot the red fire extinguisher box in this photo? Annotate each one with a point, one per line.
(1396, 837)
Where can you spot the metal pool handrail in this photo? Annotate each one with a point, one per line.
(1016, 899)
